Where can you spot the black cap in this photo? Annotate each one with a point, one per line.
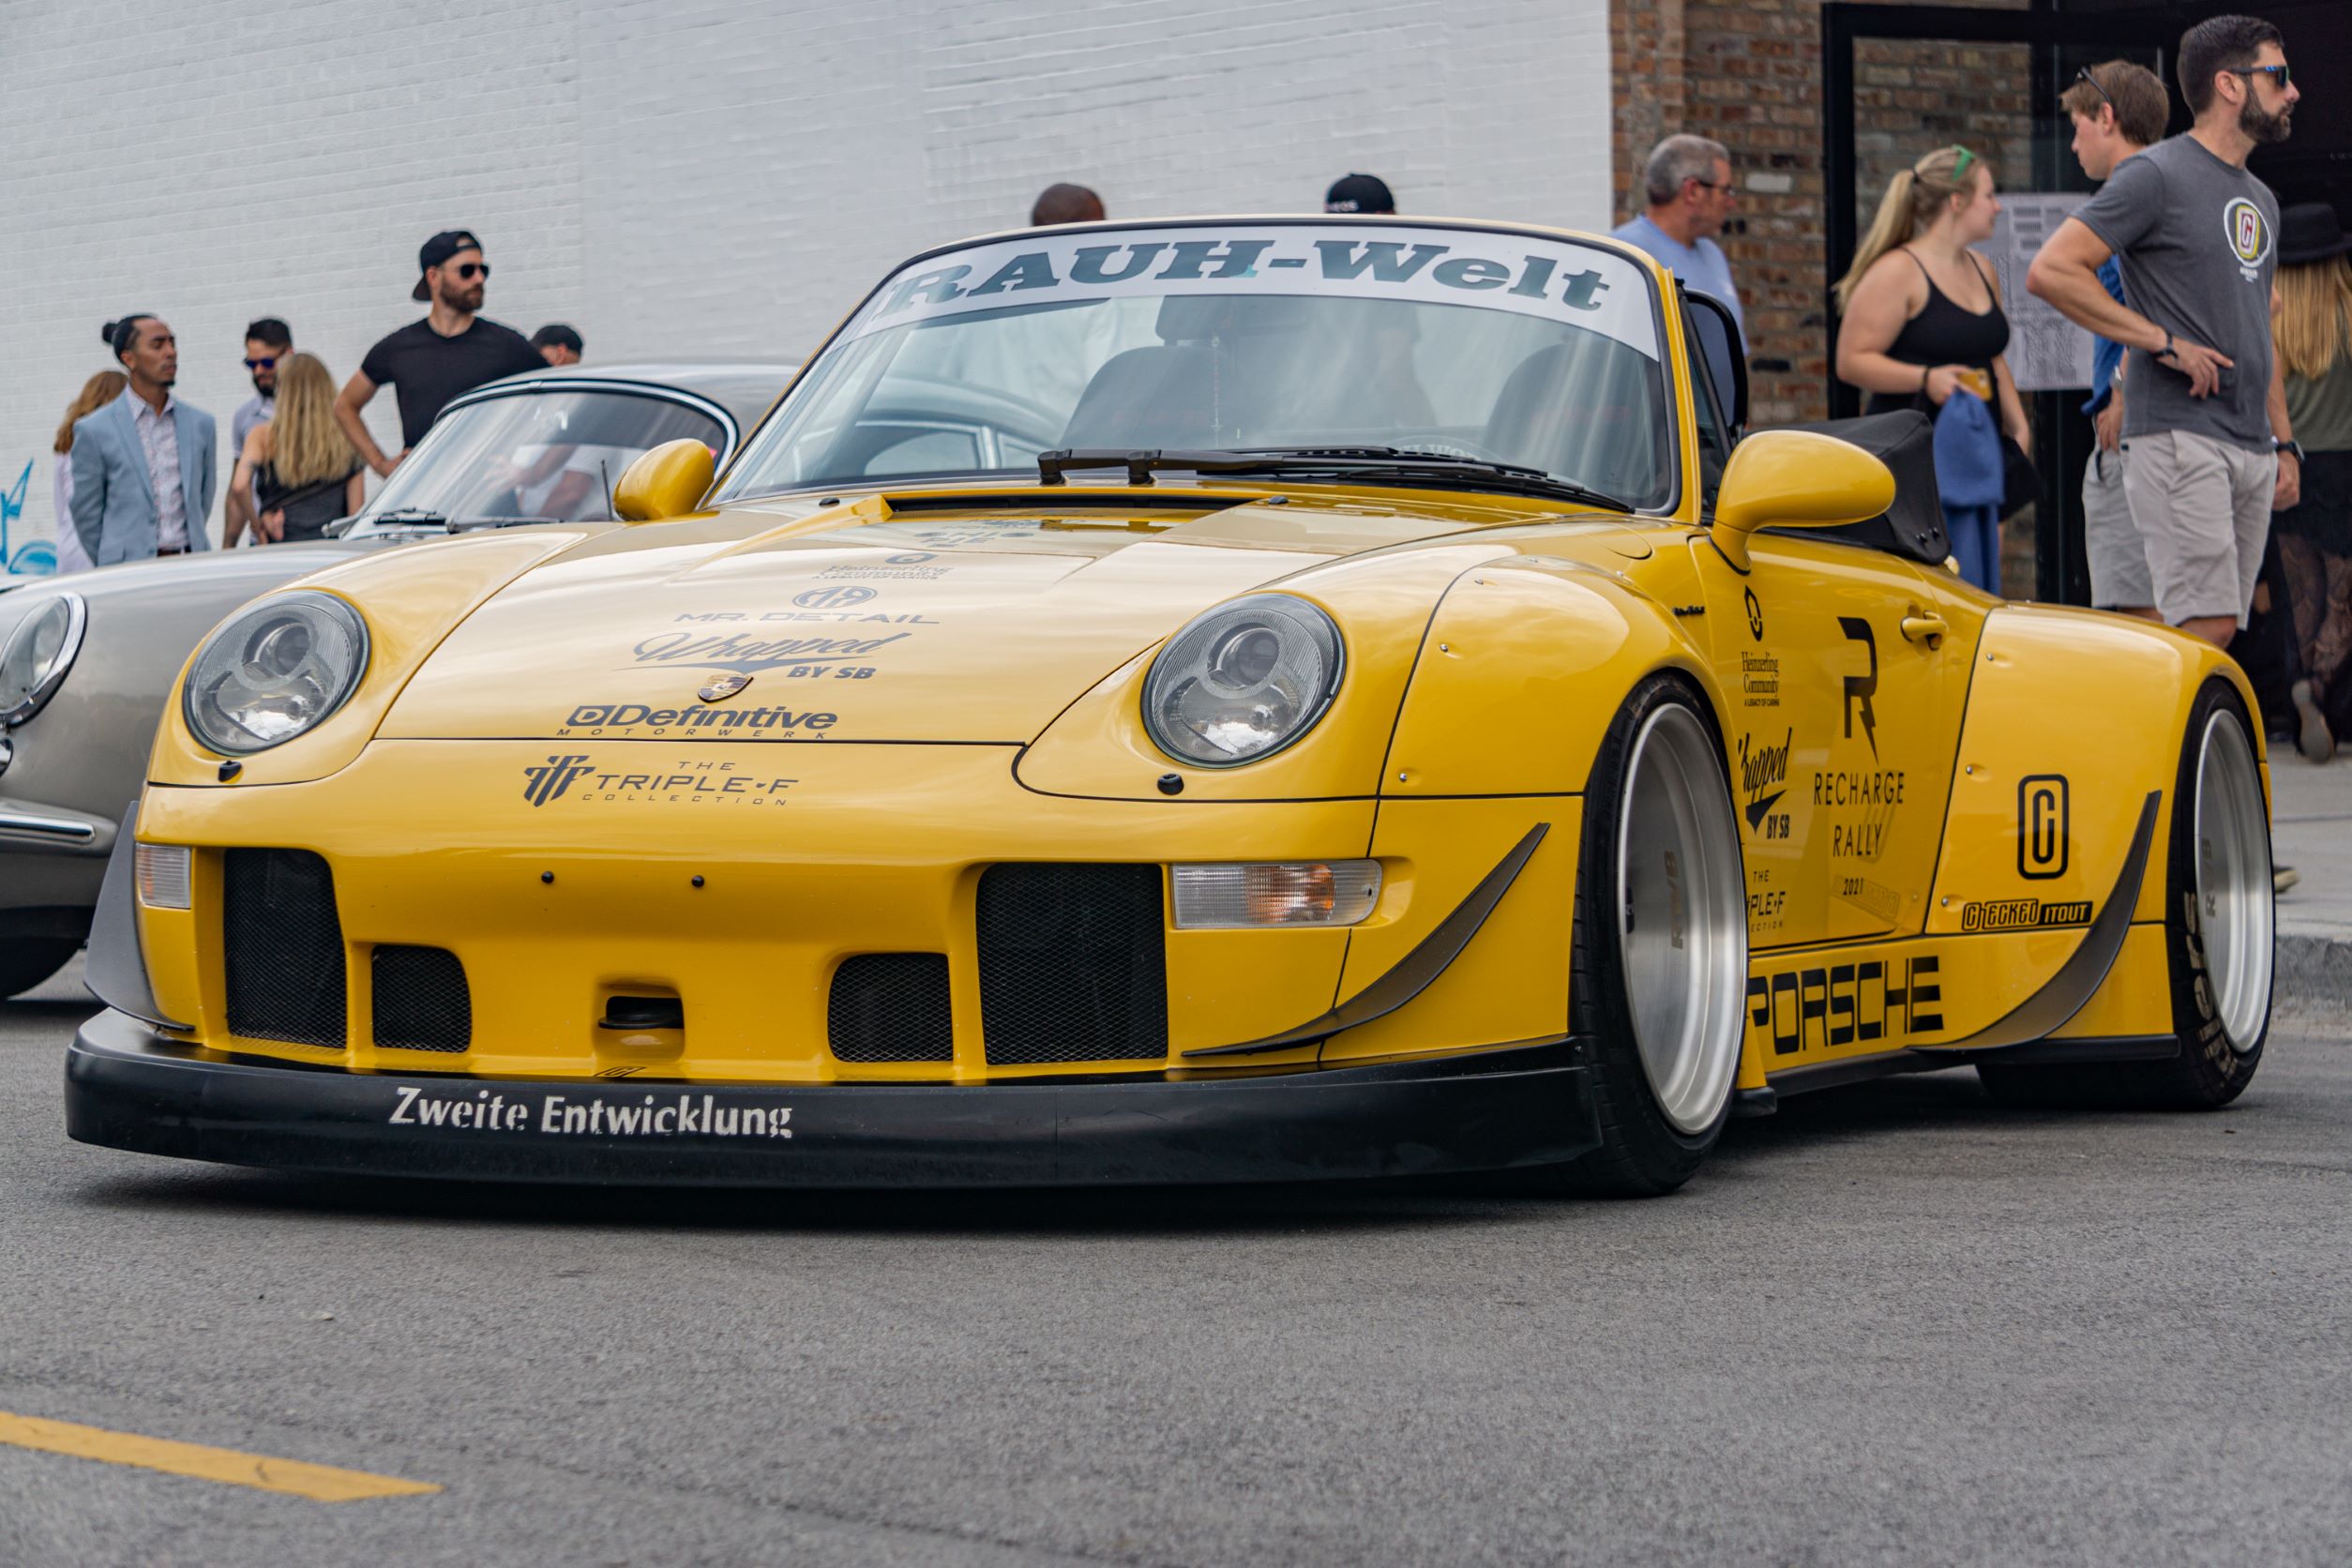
(1359, 193)
(2308, 232)
(437, 251)
(557, 334)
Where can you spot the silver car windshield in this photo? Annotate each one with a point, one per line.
(1505, 348)
(546, 455)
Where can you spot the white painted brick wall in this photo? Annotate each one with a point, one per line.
(697, 177)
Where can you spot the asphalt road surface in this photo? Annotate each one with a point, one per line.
(1892, 1324)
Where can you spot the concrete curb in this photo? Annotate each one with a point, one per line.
(2315, 974)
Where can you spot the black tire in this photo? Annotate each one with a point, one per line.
(26, 961)
(2210, 1070)
(1642, 1152)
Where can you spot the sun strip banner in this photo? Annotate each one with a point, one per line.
(1555, 281)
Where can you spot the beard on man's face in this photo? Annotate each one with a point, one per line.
(461, 296)
(2264, 128)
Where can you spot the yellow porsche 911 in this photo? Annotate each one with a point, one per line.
(1218, 700)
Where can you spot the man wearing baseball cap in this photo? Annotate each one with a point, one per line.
(452, 350)
(1359, 193)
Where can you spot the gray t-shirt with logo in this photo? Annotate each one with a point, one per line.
(2198, 240)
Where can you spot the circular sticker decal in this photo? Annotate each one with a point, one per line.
(2249, 231)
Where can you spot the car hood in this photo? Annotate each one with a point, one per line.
(862, 623)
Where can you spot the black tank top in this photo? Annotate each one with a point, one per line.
(1943, 334)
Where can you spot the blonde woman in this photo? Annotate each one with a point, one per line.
(97, 392)
(302, 469)
(1922, 320)
(2312, 329)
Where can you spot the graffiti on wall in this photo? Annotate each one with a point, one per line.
(35, 557)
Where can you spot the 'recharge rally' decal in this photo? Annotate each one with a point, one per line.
(572, 1115)
(1556, 279)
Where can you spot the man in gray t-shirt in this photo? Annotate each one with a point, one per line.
(2203, 406)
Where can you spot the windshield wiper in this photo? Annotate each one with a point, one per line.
(1385, 462)
(407, 517)
(468, 525)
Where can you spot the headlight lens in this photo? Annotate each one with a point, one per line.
(277, 670)
(1243, 681)
(38, 654)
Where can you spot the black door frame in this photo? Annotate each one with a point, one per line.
(2061, 434)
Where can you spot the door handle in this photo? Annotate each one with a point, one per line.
(1929, 629)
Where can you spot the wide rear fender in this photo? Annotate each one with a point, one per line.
(2075, 718)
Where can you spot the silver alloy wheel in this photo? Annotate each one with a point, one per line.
(1682, 920)
(2234, 889)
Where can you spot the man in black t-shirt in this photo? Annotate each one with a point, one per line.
(451, 350)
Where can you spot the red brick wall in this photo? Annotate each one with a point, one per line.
(1748, 73)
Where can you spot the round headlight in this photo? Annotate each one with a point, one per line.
(1243, 681)
(274, 671)
(34, 658)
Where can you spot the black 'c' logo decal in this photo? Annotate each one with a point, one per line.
(2042, 808)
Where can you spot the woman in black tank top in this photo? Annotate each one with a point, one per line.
(1922, 318)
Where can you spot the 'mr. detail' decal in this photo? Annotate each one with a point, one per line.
(1552, 279)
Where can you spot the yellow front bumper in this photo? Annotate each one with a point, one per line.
(739, 878)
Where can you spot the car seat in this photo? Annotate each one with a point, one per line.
(1584, 409)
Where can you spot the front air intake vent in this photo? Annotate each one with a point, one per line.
(892, 1007)
(1071, 964)
(422, 1001)
(283, 944)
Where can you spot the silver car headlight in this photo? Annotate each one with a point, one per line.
(274, 671)
(34, 658)
(1243, 681)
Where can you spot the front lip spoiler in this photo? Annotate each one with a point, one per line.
(127, 1087)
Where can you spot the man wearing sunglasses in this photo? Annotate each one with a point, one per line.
(267, 341)
(2208, 448)
(453, 349)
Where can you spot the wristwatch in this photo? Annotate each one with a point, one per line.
(2169, 351)
(2292, 448)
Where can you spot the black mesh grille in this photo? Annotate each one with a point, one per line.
(892, 1007)
(284, 948)
(422, 1001)
(1071, 967)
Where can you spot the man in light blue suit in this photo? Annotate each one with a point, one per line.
(144, 465)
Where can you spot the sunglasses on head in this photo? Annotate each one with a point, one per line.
(2084, 75)
(264, 363)
(2276, 73)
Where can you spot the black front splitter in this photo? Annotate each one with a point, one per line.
(129, 1088)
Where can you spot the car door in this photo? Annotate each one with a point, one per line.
(1844, 677)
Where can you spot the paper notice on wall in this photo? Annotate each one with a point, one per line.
(2047, 352)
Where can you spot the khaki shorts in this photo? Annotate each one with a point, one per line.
(2111, 541)
(2203, 509)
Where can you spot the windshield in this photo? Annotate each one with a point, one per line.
(1500, 347)
(539, 455)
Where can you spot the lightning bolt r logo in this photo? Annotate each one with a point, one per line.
(1861, 688)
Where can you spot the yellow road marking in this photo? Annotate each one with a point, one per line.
(320, 1483)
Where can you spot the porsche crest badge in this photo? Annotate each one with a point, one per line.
(723, 688)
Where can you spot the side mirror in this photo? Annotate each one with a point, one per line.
(1796, 479)
(1726, 363)
(667, 482)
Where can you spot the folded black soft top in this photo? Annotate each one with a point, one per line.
(1904, 441)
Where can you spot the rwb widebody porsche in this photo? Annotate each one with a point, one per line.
(1225, 699)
